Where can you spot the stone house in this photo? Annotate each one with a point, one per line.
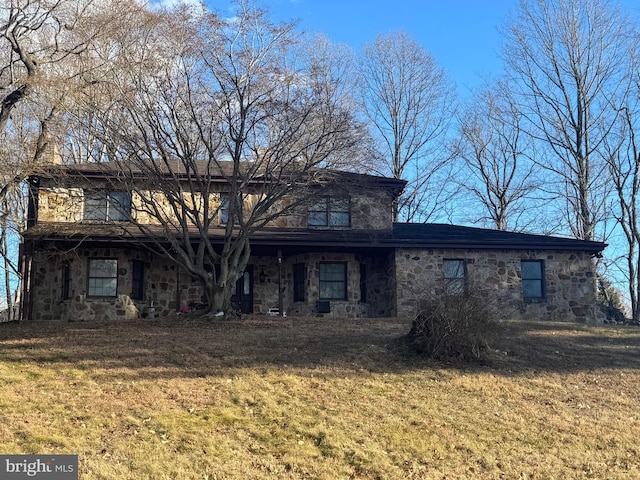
(336, 255)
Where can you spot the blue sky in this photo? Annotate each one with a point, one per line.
(461, 34)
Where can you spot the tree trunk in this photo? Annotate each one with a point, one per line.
(7, 271)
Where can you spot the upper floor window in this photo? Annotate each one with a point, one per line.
(454, 275)
(533, 289)
(329, 212)
(223, 210)
(104, 206)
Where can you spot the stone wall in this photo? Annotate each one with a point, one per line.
(569, 282)
(349, 308)
(47, 288)
(379, 295)
(167, 288)
(368, 211)
(394, 282)
(60, 204)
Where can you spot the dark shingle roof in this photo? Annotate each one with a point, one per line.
(435, 235)
(220, 171)
(403, 235)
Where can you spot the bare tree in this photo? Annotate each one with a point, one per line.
(217, 139)
(14, 152)
(408, 100)
(12, 211)
(45, 46)
(495, 152)
(332, 68)
(47, 58)
(569, 58)
(624, 168)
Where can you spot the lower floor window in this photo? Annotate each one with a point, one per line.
(103, 277)
(454, 276)
(333, 281)
(533, 280)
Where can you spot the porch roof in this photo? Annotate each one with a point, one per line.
(403, 235)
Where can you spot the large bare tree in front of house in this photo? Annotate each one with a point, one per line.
(409, 102)
(496, 168)
(569, 60)
(219, 138)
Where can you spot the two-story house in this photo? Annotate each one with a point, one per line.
(334, 254)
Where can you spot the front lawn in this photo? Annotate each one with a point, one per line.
(265, 397)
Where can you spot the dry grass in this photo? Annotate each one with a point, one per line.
(319, 398)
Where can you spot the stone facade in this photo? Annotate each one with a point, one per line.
(48, 292)
(167, 289)
(368, 212)
(392, 284)
(568, 281)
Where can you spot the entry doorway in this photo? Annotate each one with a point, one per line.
(242, 298)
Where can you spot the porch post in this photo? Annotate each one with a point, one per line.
(280, 301)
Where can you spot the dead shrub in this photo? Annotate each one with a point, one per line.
(453, 325)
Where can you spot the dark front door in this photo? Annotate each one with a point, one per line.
(242, 299)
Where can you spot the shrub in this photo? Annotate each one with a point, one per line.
(609, 300)
(454, 325)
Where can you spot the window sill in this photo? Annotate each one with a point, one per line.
(535, 300)
(104, 222)
(329, 227)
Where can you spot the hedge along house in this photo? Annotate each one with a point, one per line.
(338, 254)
